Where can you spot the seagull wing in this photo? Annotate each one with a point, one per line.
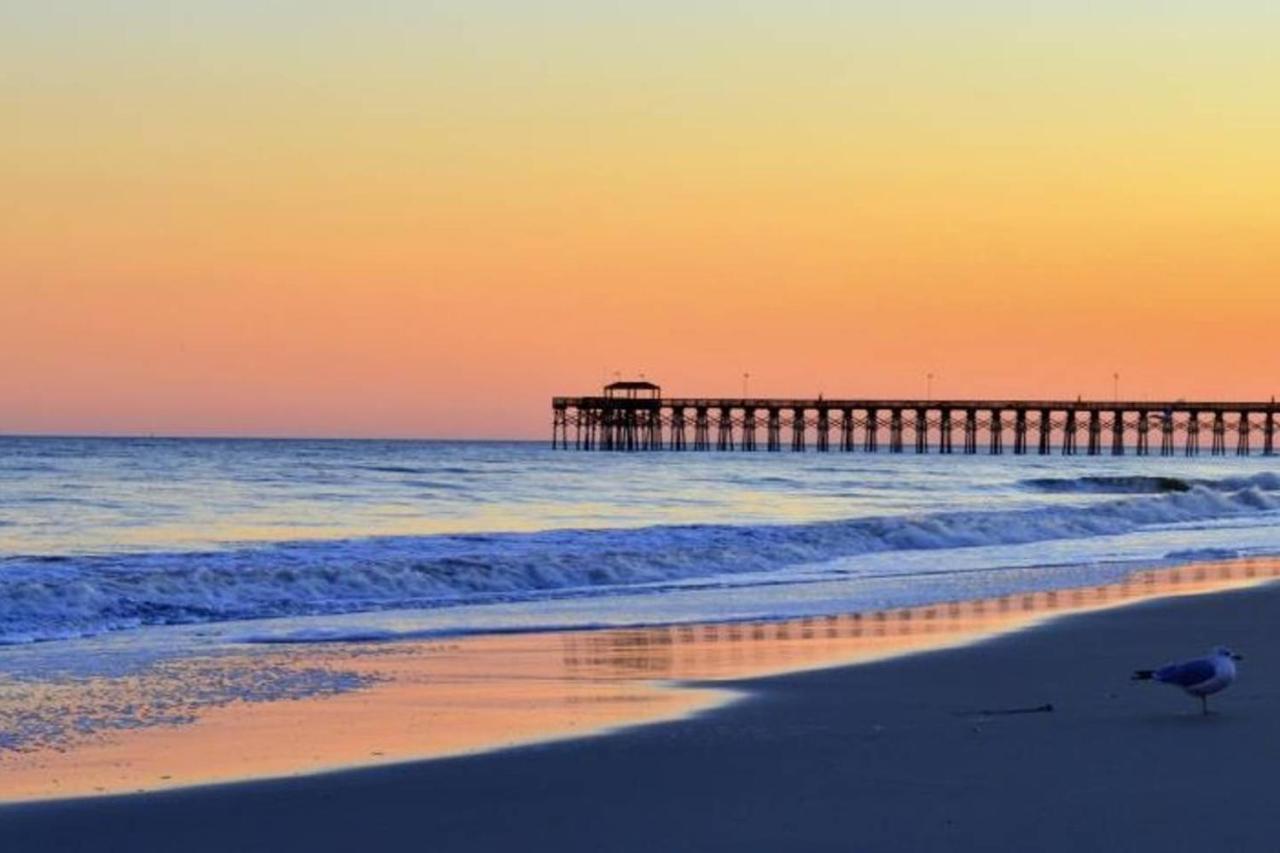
(1187, 674)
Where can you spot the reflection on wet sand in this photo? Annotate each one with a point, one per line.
(739, 650)
(432, 699)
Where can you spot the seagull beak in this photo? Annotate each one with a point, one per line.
(1237, 657)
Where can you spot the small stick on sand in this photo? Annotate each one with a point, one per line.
(996, 712)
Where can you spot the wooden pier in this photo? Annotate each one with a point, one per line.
(634, 416)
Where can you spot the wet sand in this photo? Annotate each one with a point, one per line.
(888, 755)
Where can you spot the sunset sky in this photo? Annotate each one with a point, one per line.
(420, 218)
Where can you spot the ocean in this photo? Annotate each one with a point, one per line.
(148, 582)
(292, 540)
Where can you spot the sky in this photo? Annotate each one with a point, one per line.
(421, 218)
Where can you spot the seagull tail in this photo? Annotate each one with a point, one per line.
(1143, 674)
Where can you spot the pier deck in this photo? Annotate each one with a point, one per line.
(634, 416)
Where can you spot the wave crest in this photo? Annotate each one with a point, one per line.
(1099, 484)
(1141, 485)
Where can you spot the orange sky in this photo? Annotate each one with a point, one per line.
(424, 220)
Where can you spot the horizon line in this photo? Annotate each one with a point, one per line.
(99, 436)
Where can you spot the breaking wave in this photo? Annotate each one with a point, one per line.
(1136, 484)
(43, 599)
(1108, 485)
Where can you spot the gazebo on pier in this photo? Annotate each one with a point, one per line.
(632, 389)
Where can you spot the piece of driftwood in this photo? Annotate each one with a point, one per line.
(1001, 712)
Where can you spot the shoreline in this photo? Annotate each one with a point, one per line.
(436, 700)
(889, 755)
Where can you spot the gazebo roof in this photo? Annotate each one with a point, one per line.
(631, 385)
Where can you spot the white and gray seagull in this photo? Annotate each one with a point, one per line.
(1200, 677)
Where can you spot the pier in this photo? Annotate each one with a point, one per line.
(634, 416)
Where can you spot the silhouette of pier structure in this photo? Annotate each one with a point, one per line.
(634, 416)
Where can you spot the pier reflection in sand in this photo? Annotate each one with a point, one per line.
(739, 650)
(434, 699)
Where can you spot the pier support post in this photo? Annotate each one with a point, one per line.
(724, 436)
(1095, 432)
(701, 429)
(774, 439)
(630, 430)
(797, 430)
(996, 431)
(1219, 434)
(871, 440)
(1166, 434)
(824, 430)
(1046, 431)
(895, 430)
(653, 434)
(611, 428)
(749, 428)
(1269, 433)
(1144, 426)
(1242, 435)
(922, 430)
(1069, 434)
(1117, 433)
(944, 432)
(1020, 432)
(557, 427)
(1193, 434)
(677, 428)
(608, 428)
(846, 430)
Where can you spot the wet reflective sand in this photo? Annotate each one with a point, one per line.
(430, 699)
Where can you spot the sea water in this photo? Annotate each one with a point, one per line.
(262, 540)
(139, 576)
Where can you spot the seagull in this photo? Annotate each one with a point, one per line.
(1199, 677)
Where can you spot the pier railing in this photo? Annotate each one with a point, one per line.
(1068, 427)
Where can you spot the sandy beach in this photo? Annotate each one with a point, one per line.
(901, 754)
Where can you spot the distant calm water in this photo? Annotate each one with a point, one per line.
(272, 540)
